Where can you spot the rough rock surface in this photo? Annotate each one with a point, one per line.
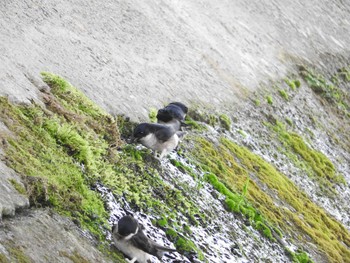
(10, 199)
(131, 56)
(40, 236)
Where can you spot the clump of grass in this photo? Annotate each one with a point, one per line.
(152, 115)
(293, 84)
(300, 257)
(184, 245)
(183, 168)
(243, 133)
(345, 73)
(289, 121)
(269, 99)
(71, 98)
(225, 121)
(283, 94)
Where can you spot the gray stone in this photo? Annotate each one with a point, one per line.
(129, 56)
(43, 236)
(10, 198)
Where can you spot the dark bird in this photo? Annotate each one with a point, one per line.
(158, 137)
(130, 239)
(175, 111)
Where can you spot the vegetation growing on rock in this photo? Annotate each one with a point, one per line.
(66, 146)
(230, 165)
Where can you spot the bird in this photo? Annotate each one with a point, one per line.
(158, 137)
(173, 113)
(130, 239)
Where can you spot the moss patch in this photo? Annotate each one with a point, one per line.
(315, 163)
(3, 259)
(225, 121)
(328, 89)
(152, 115)
(17, 254)
(20, 189)
(296, 214)
(64, 148)
(269, 99)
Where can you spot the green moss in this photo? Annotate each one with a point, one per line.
(293, 84)
(194, 124)
(183, 244)
(269, 99)
(71, 98)
(152, 115)
(243, 133)
(326, 89)
(225, 121)
(162, 222)
(283, 94)
(229, 165)
(57, 169)
(345, 73)
(19, 256)
(63, 148)
(289, 122)
(20, 189)
(301, 257)
(315, 162)
(3, 259)
(257, 102)
(183, 168)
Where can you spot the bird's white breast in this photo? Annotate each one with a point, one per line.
(150, 141)
(131, 251)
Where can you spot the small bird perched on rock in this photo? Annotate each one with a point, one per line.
(129, 238)
(158, 137)
(172, 114)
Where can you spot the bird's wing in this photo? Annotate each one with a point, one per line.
(147, 245)
(164, 133)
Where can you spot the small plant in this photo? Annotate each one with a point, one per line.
(194, 124)
(225, 121)
(283, 94)
(152, 115)
(162, 222)
(293, 84)
(257, 102)
(289, 121)
(243, 133)
(301, 257)
(269, 99)
(290, 83)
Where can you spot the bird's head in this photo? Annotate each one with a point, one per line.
(141, 131)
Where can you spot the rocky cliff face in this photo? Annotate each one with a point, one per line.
(262, 174)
